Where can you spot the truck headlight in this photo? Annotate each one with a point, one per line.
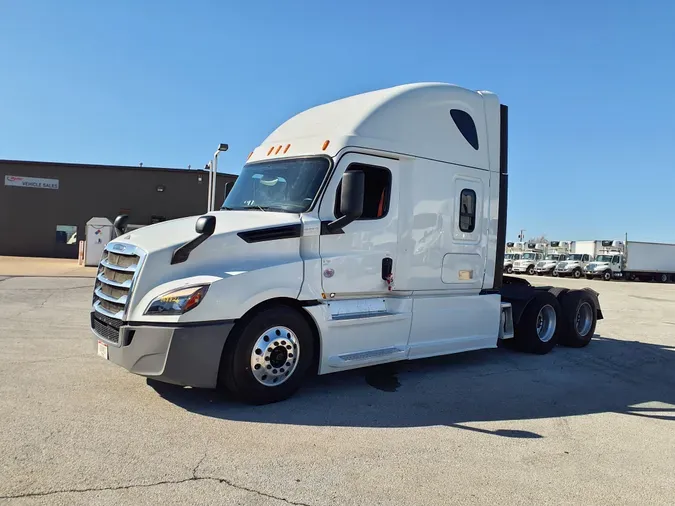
(178, 301)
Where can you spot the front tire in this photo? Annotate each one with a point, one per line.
(509, 270)
(607, 275)
(537, 330)
(554, 273)
(579, 319)
(576, 273)
(267, 358)
(530, 270)
(664, 278)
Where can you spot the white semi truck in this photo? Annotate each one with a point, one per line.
(323, 258)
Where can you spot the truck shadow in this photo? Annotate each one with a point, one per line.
(610, 375)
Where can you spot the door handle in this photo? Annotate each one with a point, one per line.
(387, 268)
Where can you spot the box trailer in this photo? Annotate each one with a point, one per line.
(649, 260)
(363, 231)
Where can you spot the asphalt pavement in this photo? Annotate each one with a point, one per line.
(588, 426)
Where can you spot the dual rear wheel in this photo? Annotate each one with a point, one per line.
(568, 319)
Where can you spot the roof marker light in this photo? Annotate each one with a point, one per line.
(278, 149)
(286, 148)
(249, 155)
(325, 145)
(270, 151)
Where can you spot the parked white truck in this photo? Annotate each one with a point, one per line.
(608, 263)
(532, 254)
(509, 258)
(643, 261)
(321, 258)
(556, 252)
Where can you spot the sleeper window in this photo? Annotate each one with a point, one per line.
(467, 211)
(377, 192)
(466, 126)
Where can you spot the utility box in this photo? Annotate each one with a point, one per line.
(98, 234)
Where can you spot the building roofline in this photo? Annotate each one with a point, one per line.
(99, 166)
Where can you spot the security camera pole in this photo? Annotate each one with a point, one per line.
(213, 180)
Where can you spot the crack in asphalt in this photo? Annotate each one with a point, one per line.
(154, 484)
(194, 477)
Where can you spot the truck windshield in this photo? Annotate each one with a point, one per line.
(528, 256)
(604, 258)
(508, 256)
(552, 257)
(282, 185)
(575, 257)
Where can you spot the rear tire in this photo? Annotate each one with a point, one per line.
(248, 356)
(580, 316)
(538, 329)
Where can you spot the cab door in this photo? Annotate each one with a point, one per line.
(353, 258)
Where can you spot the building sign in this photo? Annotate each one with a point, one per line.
(32, 182)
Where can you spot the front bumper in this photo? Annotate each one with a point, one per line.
(520, 270)
(545, 270)
(182, 355)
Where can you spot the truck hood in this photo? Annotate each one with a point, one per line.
(226, 261)
(174, 233)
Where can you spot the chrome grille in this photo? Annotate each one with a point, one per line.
(117, 276)
(114, 283)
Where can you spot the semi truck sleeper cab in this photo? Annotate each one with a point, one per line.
(363, 231)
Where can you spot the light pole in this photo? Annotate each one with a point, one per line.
(213, 179)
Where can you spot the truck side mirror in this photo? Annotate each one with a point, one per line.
(351, 199)
(206, 225)
(228, 187)
(120, 224)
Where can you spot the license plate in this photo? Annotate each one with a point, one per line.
(103, 350)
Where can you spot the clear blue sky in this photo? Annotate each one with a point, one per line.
(592, 140)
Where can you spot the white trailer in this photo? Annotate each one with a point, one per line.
(649, 260)
(363, 231)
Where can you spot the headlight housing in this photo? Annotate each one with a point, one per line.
(177, 301)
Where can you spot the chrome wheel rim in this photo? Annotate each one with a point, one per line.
(274, 356)
(546, 323)
(583, 319)
(664, 278)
